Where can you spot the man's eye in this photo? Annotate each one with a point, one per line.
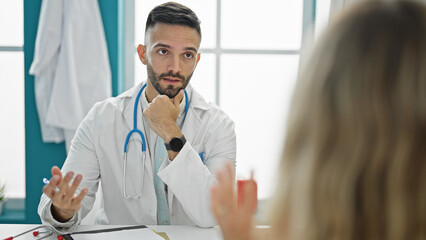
(162, 51)
(189, 55)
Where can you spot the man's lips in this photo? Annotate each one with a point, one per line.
(171, 80)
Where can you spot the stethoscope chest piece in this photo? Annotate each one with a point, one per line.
(133, 169)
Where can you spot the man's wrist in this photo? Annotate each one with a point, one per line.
(59, 215)
(176, 144)
(172, 133)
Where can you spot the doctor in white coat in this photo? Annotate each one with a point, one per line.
(147, 187)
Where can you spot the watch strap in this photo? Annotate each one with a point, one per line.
(168, 147)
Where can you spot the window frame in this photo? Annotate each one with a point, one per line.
(16, 203)
(127, 74)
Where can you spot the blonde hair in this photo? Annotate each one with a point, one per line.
(354, 161)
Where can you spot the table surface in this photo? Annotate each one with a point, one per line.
(174, 232)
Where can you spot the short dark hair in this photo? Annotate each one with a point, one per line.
(173, 13)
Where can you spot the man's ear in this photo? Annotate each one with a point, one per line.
(198, 57)
(142, 53)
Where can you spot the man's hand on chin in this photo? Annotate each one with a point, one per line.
(162, 114)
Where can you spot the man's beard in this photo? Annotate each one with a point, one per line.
(169, 91)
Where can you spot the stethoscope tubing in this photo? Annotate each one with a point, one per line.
(136, 130)
(51, 229)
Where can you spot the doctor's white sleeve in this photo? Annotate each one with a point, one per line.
(82, 160)
(190, 179)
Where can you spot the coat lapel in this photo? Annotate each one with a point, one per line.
(192, 122)
(128, 105)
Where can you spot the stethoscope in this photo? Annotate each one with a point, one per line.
(136, 130)
(50, 232)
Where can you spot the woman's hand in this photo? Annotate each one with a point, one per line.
(236, 222)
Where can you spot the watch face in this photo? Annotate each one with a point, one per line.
(176, 144)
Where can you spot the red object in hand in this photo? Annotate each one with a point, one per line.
(240, 192)
(59, 237)
(36, 233)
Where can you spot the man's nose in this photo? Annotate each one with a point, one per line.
(174, 64)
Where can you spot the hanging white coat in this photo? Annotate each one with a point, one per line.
(70, 65)
(97, 153)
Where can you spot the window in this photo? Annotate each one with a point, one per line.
(322, 13)
(249, 63)
(12, 128)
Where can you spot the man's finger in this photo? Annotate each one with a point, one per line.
(67, 179)
(76, 201)
(56, 171)
(49, 191)
(178, 98)
(50, 188)
(71, 191)
(64, 184)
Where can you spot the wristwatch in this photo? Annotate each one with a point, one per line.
(176, 144)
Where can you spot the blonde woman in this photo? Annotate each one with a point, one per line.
(354, 161)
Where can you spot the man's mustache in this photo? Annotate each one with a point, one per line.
(177, 75)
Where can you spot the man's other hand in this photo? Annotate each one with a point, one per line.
(65, 203)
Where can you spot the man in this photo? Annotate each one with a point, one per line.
(142, 182)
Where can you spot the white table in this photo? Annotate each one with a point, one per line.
(175, 232)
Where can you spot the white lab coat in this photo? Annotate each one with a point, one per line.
(70, 65)
(97, 153)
